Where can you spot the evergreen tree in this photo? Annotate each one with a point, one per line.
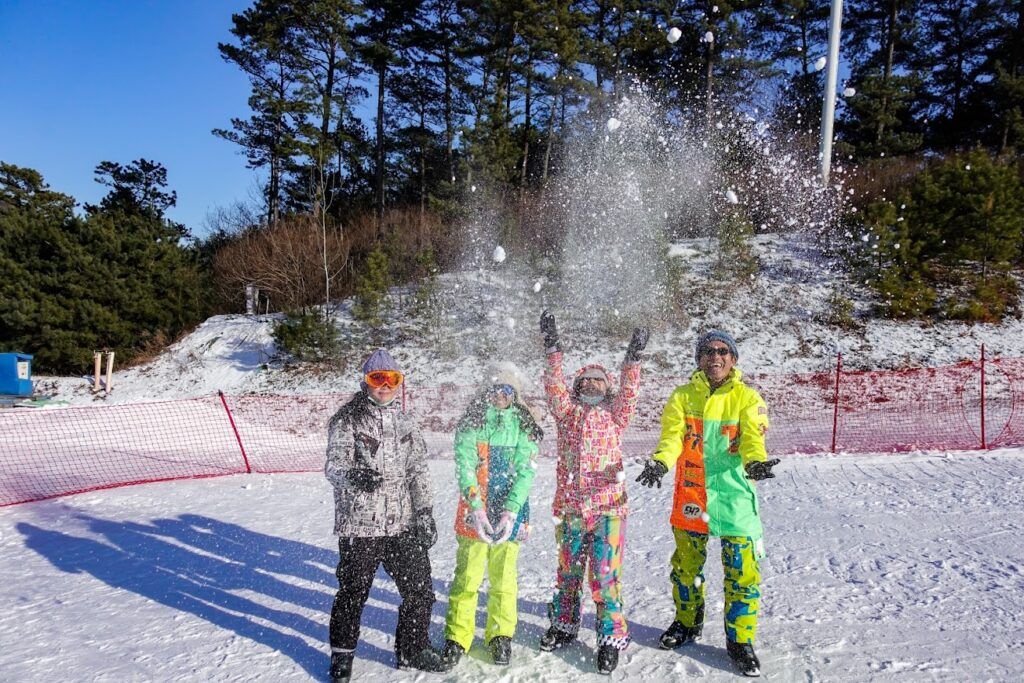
(884, 40)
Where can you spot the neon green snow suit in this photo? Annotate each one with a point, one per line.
(495, 466)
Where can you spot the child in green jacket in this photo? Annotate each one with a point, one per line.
(496, 447)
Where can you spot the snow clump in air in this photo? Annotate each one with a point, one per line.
(499, 254)
(674, 34)
(820, 63)
(613, 124)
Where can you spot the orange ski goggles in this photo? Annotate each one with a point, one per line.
(380, 378)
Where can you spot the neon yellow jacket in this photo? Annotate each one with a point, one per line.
(709, 437)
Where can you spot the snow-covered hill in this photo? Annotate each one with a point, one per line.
(779, 318)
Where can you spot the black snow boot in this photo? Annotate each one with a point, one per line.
(341, 666)
(742, 655)
(555, 638)
(607, 659)
(451, 655)
(501, 649)
(678, 635)
(427, 659)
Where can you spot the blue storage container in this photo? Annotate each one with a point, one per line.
(16, 374)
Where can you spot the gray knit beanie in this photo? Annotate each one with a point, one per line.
(379, 360)
(716, 335)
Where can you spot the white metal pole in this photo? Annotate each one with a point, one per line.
(828, 111)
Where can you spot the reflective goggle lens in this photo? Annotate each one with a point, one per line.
(380, 378)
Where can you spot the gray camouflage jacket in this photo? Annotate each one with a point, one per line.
(363, 434)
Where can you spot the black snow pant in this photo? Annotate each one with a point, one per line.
(406, 561)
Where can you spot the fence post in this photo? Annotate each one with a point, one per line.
(248, 469)
(835, 409)
(984, 443)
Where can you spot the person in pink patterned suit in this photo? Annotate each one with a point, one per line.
(590, 498)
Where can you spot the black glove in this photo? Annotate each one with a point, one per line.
(365, 479)
(758, 470)
(550, 331)
(424, 529)
(652, 474)
(637, 344)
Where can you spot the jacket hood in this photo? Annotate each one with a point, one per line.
(612, 387)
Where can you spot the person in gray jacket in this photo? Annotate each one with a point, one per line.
(383, 514)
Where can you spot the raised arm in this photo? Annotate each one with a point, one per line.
(555, 387)
(629, 381)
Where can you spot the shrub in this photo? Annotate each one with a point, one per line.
(306, 336)
(371, 288)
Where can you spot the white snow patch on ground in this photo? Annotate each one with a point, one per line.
(884, 568)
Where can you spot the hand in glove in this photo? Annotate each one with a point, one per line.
(523, 534)
(637, 344)
(652, 474)
(504, 530)
(483, 526)
(424, 529)
(550, 331)
(365, 479)
(759, 470)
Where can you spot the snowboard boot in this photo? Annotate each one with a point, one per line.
(678, 635)
(501, 649)
(607, 659)
(555, 638)
(451, 655)
(742, 655)
(427, 659)
(341, 666)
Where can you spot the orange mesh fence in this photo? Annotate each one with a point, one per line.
(52, 452)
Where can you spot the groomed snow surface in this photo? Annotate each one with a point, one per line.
(894, 567)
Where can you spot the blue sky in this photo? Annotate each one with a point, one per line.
(94, 80)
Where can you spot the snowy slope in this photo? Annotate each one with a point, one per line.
(887, 568)
(778, 320)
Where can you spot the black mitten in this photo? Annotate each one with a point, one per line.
(759, 470)
(637, 344)
(550, 331)
(424, 528)
(652, 474)
(365, 479)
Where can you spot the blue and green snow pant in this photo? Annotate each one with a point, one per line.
(594, 546)
(471, 559)
(742, 576)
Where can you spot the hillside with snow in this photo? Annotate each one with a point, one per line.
(780, 318)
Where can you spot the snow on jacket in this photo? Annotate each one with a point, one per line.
(383, 438)
(590, 475)
(709, 437)
(495, 461)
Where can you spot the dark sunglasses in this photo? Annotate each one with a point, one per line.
(709, 351)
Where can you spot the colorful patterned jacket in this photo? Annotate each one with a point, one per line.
(590, 475)
(363, 434)
(495, 462)
(709, 437)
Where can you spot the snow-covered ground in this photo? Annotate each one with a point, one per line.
(779, 320)
(888, 568)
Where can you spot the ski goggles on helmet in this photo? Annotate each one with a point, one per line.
(503, 389)
(380, 378)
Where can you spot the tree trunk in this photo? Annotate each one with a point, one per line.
(1013, 70)
(382, 68)
(526, 125)
(890, 49)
